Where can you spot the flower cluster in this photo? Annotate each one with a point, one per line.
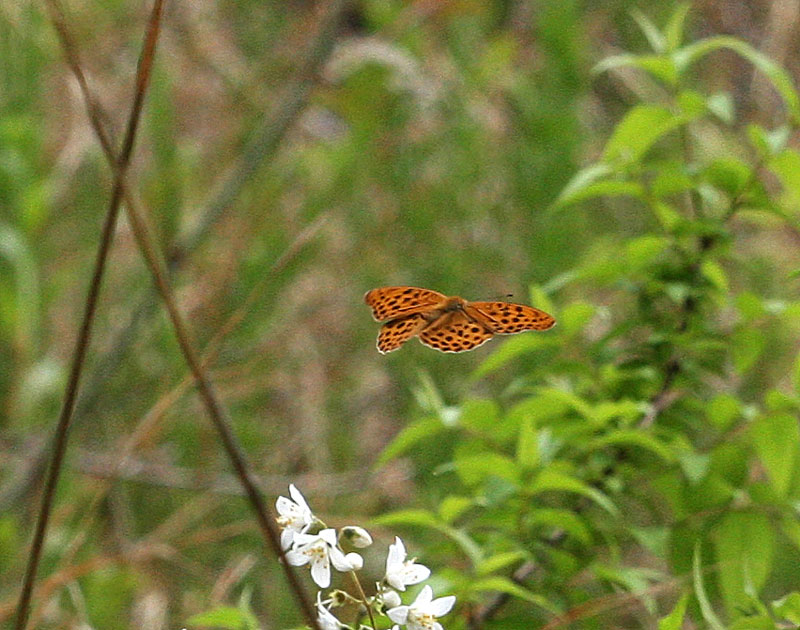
(307, 541)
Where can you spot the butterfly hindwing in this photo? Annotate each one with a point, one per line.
(393, 302)
(396, 332)
(454, 332)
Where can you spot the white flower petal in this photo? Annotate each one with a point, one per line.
(415, 573)
(283, 505)
(296, 558)
(287, 536)
(325, 618)
(340, 561)
(305, 539)
(424, 598)
(399, 549)
(298, 497)
(329, 536)
(441, 606)
(321, 572)
(398, 614)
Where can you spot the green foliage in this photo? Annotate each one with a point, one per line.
(658, 428)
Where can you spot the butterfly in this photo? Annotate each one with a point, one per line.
(449, 324)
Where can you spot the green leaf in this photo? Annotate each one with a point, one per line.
(776, 438)
(706, 610)
(596, 181)
(641, 127)
(673, 32)
(504, 585)
(581, 180)
(768, 142)
(630, 437)
(788, 607)
(546, 404)
(754, 622)
(474, 469)
(744, 543)
(654, 37)
(729, 175)
(796, 374)
(750, 306)
(422, 518)
(715, 274)
(786, 166)
(499, 561)
(567, 520)
(666, 214)
(453, 506)
(692, 103)
(747, 344)
(551, 480)
(661, 67)
(643, 251)
(21, 314)
(409, 437)
(515, 347)
(528, 445)
(574, 317)
(226, 617)
(722, 106)
(781, 79)
(674, 620)
(723, 410)
(479, 415)
(428, 520)
(790, 528)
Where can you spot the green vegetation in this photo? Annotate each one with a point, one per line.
(634, 174)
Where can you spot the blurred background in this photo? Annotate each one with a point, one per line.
(292, 156)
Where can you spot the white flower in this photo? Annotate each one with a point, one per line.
(295, 516)
(356, 536)
(401, 572)
(421, 615)
(325, 618)
(320, 550)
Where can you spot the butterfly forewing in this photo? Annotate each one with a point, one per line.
(392, 302)
(396, 332)
(505, 318)
(455, 332)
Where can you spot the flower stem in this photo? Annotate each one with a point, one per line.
(363, 599)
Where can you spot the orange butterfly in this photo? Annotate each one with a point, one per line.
(449, 324)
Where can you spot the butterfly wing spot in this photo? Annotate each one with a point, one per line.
(455, 333)
(392, 302)
(396, 332)
(506, 318)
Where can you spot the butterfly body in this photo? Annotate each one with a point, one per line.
(449, 324)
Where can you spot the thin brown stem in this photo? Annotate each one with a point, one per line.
(263, 144)
(90, 308)
(216, 410)
(363, 595)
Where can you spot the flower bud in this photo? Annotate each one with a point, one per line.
(391, 599)
(356, 536)
(356, 562)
